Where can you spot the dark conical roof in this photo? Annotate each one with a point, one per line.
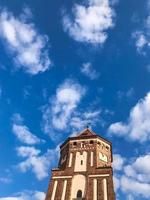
(86, 132)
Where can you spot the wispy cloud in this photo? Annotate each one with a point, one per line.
(88, 70)
(57, 114)
(118, 162)
(25, 151)
(5, 180)
(142, 35)
(26, 195)
(63, 114)
(137, 127)
(24, 42)
(80, 120)
(141, 41)
(126, 94)
(90, 21)
(38, 163)
(22, 132)
(1, 91)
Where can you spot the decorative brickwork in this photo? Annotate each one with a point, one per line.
(85, 169)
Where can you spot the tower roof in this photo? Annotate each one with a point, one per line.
(86, 134)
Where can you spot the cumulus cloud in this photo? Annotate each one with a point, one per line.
(90, 21)
(22, 132)
(38, 163)
(27, 195)
(132, 176)
(118, 164)
(137, 127)
(135, 187)
(28, 46)
(88, 70)
(116, 183)
(139, 169)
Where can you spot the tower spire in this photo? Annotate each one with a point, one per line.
(88, 125)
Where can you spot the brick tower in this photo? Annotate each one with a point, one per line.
(84, 171)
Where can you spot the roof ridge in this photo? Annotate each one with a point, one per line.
(86, 132)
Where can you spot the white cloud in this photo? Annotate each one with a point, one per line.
(29, 48)
(88, 70)
(137, 127)
(90, 21)
(27, 195)
(5, 180)
(62, 113)
(38, 164)
(12, 198)
(116, 183)
(133, 177)
(24, 135)
(25, 151)
(91, 114)
(27, 91)
(126, 94)
(22, 132)
(130, 197)
(135, 187)
(80, 120)
(139, 169)
(141, 40)
(142, 164)
(58, 113)
(142, 35)
(17, 118)
(118, 162)
(39, 195)
(1, 91)
(148, 68)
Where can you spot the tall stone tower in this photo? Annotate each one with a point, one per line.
(84, 171)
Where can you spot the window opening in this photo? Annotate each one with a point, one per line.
(75, 143)
(79, 194)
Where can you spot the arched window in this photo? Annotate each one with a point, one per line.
(79, 194)
(75, 143)
(91, 142)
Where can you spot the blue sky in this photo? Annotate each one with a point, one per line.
(66, 64)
